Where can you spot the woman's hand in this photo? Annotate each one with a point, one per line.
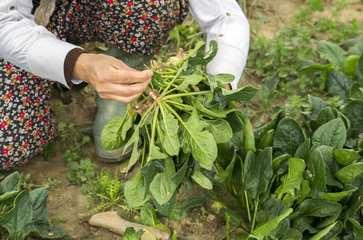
(111, 78)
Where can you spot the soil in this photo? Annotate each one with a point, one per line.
(68, 206)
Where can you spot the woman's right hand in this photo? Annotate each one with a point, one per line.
(111, 77)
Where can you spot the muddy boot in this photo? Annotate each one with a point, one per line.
(108, 109)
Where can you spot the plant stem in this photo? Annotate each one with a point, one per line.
(180, 105)
(185, 94)
(179, 118)
(180, 70)
(255, 214)
(247, 206)
(153, 130)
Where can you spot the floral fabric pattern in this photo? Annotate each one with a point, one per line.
(26, 122)
(135, 26)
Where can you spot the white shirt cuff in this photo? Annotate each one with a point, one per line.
(46, 58)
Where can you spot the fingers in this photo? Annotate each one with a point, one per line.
(129, 76)
(124, 93)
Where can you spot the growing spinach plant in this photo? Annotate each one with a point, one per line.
(299, 182)
(24, 213)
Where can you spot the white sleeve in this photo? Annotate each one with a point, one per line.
(224, 21)
(28, 45)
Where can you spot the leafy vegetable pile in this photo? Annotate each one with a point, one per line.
(304, 181)
(23, 212)
(174, 128)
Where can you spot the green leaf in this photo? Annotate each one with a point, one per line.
(354, 111)
(18, 222)
(131, 234)
(303, 151)
(318, 208)
(211, 112)
(202, 180)
(339, 85)
(135, 155)
(190, 80)
(179, 176)
(332, 52)
(135, 191)
(288, 137)
(39, 198)
(110, 136)
(148, 215)
(258, 172)
(243, 94)
(357, 228)
(324, 232)
(162, 188)
(169, 138)
(349, 173)
(267, 228)
(202, 143)
(292, 182)
(346, 156)
(220, 80)
(317, 166)
(279, 160)
(221, 130)
(10, 183)
(338, 196)
(332, 133)
(266, 139)
(351, 64)
(156, 153)
(325, 115)
(317, 104)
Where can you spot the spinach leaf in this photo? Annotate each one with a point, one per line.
(110, 136)
(339, 85)
(337, 196)
(354, 111)
(349, 173)
(19, 221)
(202, 143)
(318, 168)
(202, 180)
(267, 228)
(288, 137)
(258, 172)
(331, 52)
(346, 156)
(169, 137)
(332, 133)
(221, 130)
(162, 187)
(135, 191)
(287, 191)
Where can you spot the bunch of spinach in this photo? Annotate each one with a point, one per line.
(23, 212)
(174, 129)
(299, 183)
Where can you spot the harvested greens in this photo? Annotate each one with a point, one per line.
(174, 129)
